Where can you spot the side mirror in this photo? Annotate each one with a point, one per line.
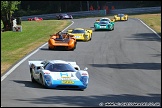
(85, 69)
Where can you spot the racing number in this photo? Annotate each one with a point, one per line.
(65, 77)
(67, 82)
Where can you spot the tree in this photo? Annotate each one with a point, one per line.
(7, 9)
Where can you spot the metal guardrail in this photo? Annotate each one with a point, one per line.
(74, 14)
(136, 10)
(97, 13)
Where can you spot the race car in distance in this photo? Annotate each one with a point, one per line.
(121, 17)
(62, 40)
(35, 19)
(58, 74)
(64, 16)
(104, 19)
(104, 25)
(81, 33)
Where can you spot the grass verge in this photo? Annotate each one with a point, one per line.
(152, 20)
(15, 45)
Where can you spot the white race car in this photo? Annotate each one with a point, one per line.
(58, 74)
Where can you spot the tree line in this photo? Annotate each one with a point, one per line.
(48, 7)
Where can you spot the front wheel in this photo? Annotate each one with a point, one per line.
(74, 47)
(49, 48)
(32, 78)
(91, 37)
(113, 28)
(41, 79)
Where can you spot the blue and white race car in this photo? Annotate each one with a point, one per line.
(58, 74)
(64, 16)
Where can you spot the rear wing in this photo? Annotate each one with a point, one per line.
(36, 63)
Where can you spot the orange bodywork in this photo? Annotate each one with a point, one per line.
(68, 42)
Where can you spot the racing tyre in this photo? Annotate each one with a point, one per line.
(91, 37)
(41, 79)
(32, 78)
(74, 47)
(113, 28)
(49, 48)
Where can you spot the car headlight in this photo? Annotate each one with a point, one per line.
(84, 80)
(48, 80)
(47, 77)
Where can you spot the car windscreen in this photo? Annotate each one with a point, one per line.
(64, 15)
(78, 31)
(103, 22)
(60, 67)
(120, 15)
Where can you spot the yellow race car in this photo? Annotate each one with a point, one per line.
(121, 17)
(81, 33)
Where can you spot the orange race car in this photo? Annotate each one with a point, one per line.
(62, 41)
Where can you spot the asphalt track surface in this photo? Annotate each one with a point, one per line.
(124, 67)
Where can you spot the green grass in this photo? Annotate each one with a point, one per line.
(15, 45)
(152, 20)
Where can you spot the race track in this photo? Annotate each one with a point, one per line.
(124, 66)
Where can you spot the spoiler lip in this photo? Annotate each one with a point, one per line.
(36, 62)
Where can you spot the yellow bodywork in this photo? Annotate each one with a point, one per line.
(123, 18)
(82, 36)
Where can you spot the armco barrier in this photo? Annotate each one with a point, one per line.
(97, 12)
(74, 14)
(136, 10)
